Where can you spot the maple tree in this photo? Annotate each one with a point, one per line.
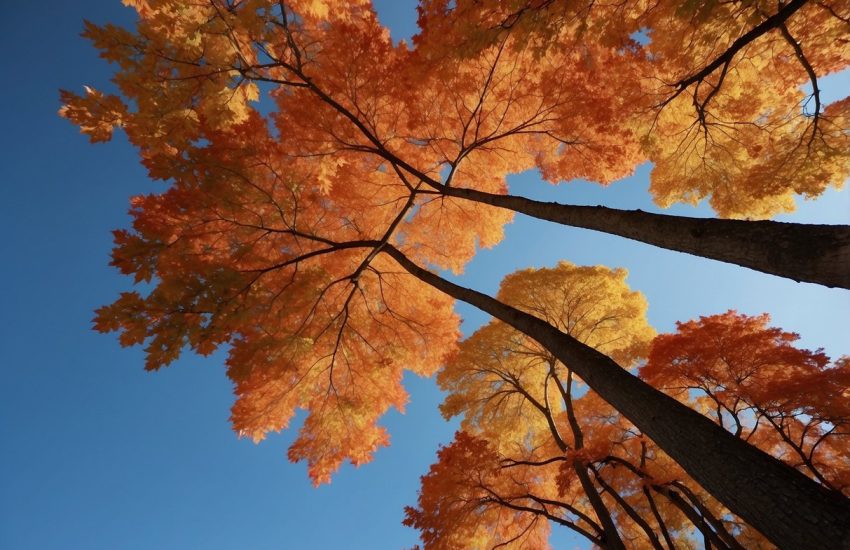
(478, 497)
(514, 470)
(627, 122)
(719, 112)
(514, 394)
(292, 235)
(752, 380)
(716, 74)
(727, 471)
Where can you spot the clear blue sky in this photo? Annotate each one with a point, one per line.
(98, 454)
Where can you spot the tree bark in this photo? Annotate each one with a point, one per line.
(610, 536)
(803, 252)
(788, 508)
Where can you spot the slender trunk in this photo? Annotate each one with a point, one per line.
(802, 252)
(567, 396)
(709, 537)
(658, 519)
(787, 507)
(694, 510)
(610, 535)
(709, 517)
(798, 449)
(652, 506)
(629, 510)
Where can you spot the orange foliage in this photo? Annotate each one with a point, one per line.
(298, 142)
(753, 381)
(466, 490)
(529, 432)
(719, 106)
(269, 238)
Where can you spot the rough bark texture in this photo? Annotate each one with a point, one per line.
(802, 252)
(791, 510)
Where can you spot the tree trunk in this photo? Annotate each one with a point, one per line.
(788, 508)
(802, 252)
(610, 536)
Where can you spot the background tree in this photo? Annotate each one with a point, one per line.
(537, 448)
(752, 380)
(515, 394)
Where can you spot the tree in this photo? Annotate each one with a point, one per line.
(754, 382)
(715, 75)
(719, 111)
(516, 468)
(624, 120)
(282, 235)
(536, 450)
(513, 393)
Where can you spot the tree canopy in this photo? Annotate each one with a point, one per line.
(530, 432)
(318, 174)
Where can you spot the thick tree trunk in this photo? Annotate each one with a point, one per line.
(802, 252)
(791, 510)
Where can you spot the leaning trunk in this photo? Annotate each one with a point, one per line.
(802, 252)
(610, 538)
(787, 507)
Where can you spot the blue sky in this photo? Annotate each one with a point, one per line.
(98, 454)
